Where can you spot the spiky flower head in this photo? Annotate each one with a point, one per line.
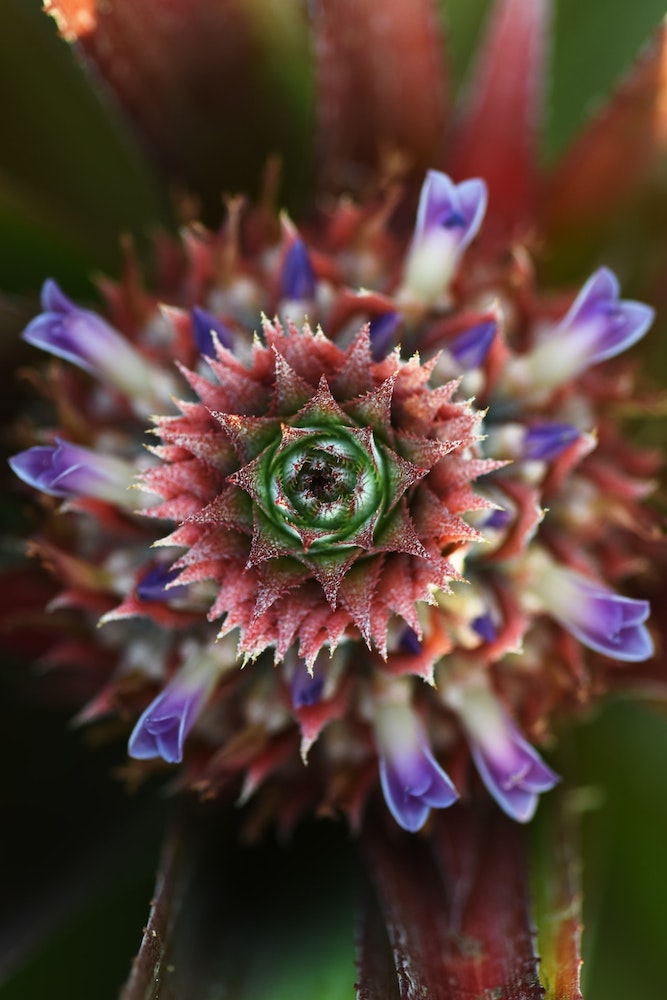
(369, 541)
(318, 490)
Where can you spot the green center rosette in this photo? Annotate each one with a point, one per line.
(324, 485)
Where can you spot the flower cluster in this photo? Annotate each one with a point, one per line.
(368, 533)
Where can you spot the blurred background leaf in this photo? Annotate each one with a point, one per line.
(621, 765)
(71, 177)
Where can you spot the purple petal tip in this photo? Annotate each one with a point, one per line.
(154, 584)
(471, 348)
(204, 325)
(382, 330)
(297, 277)
(546, 441)
(306, 690)
(54, 299)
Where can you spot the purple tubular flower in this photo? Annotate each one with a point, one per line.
(546, 441)
(598, 326)
(154, 584)
(599, 618)
(382, 330)
(409, 641)
(470, 349)
(485, 627)
(512, 770)
(204, 325)
(297, 278)
(306, 689)
(162, 729)
(615, 325)
(457, 208)
(68, 470)
(498, 519)
(86, 340)
(412, 781)
(448, 219)
(602, 620)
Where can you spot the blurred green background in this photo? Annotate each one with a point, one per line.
(79, 856)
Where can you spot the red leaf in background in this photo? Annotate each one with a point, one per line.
(382, 85)
(497, 137)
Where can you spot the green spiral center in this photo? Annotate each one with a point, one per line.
(326, 483)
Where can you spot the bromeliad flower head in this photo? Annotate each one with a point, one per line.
(341, 506)
(391, 525)
(298, 490)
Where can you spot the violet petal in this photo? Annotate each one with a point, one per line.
(446, 205)
(485, 627)
(471, 347)
(154, 584)
(297, 278)
(382, 330)
(306, 689)
(412, 784)
(546, 441)
(204, 325)
(163, 727)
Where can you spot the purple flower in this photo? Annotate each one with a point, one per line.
(512, 770)
(155, 584)
(68, 470)
(85, 339)
(497, 519)
(470, 349)
(454, 208)
(598, 326)
(163, 727)
(485, 627)
(608, 324)
(306, 688)
(382, 330)
(297, 278)
(448, 219)
(546, 441)
(412, 781)
(204, 325)
(409, 641)
(597, 617)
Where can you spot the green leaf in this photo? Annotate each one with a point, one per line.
(594, 44)
(556, 887)
(247, 922)
(621, 760)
